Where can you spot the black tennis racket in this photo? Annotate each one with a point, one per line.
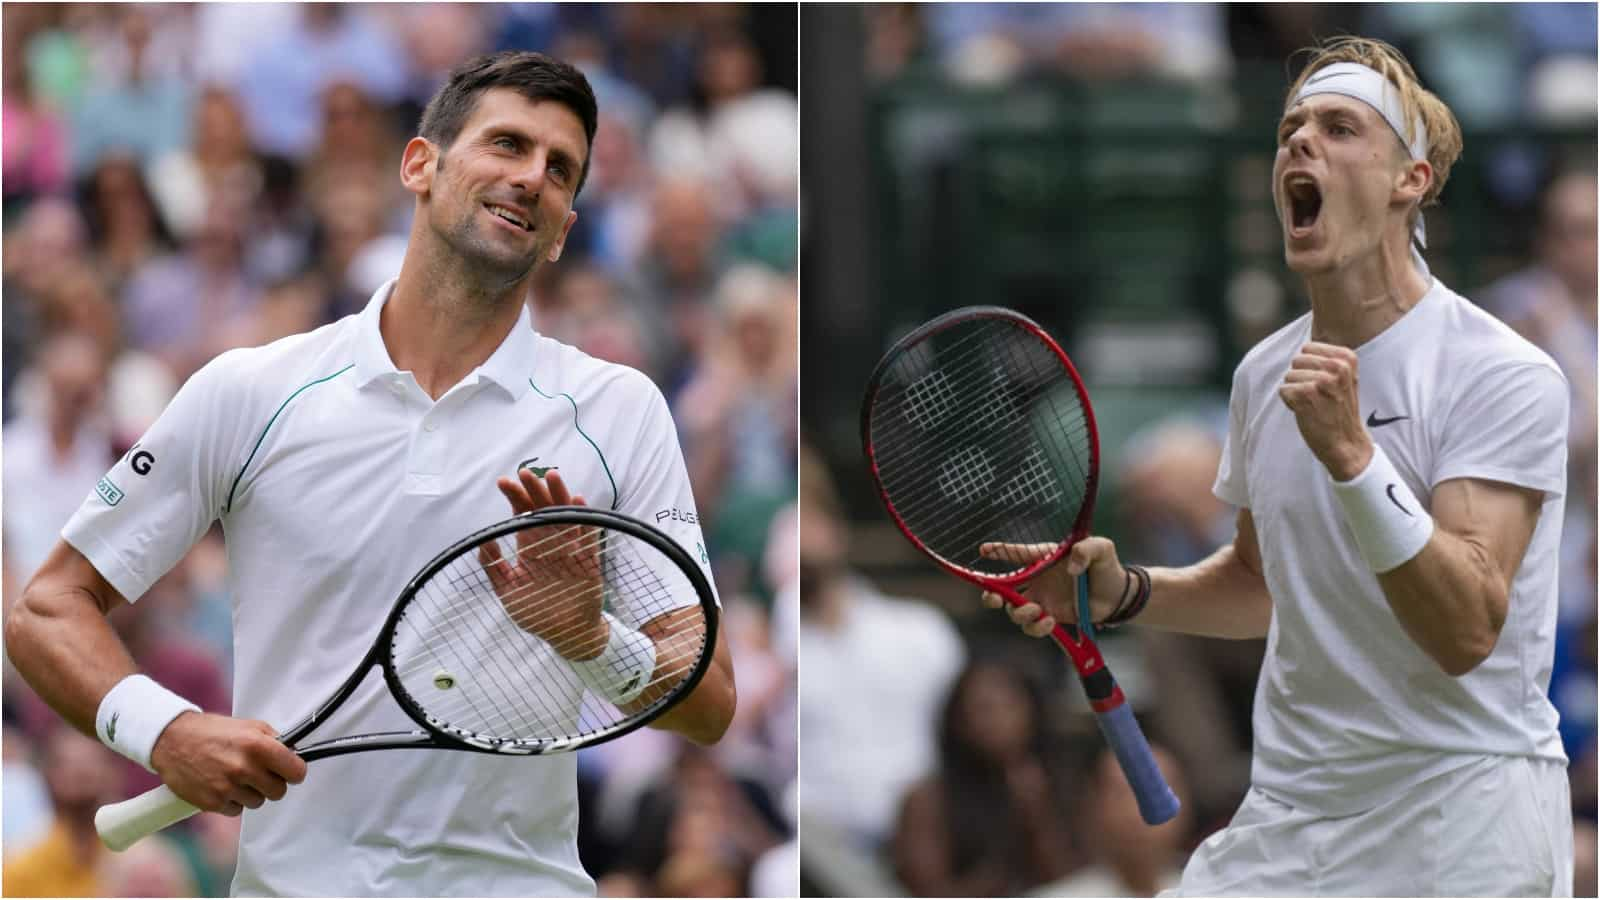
(980, 437)
(475, 650)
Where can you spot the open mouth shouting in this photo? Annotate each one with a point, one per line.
(1303, 203)
(509, 216)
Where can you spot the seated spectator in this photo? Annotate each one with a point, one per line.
(179, 306)
(140, 109)
(26, 814)
(996, 42)
(218, 163)
(154, 867)
(1202, 687)
(35, 154)
(282, 85)
(1131, 859)
(49, 241)
(126, 229)
(994, 820)
(867, 722)
(55, 450)
(82, 776)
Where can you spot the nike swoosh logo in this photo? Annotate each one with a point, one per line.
(1374, 422)
(1317, 78)
(1390, 491)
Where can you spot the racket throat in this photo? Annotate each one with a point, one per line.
(1103, 691)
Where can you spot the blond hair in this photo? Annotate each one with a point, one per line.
(1442, 131)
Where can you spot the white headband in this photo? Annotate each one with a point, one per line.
(1367, 85)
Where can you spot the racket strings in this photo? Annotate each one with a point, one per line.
(507, 682)
(889, 441)
(955, 378)
(979, 435)
(535, 597)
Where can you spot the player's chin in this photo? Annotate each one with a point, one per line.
(1306, 260)
(512, 259)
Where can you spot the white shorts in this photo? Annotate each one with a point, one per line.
(1498, 827)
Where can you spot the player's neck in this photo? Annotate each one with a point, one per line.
(1355, 302)
(440, 328)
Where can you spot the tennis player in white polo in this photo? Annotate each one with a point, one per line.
(1398, 458)
(338, 462)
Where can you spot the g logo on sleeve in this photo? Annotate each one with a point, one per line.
(142, 461)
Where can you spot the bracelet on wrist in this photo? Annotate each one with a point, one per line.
(1128, 609)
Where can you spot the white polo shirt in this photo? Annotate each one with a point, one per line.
(335, 478)
(1349, 711)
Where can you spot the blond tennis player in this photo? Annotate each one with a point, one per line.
(1397, 458)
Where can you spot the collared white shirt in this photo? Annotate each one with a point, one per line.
(1349, 710)
(336, 478)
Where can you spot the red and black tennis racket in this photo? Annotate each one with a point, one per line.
(979, 432)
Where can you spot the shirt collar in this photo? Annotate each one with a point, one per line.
(507, 367)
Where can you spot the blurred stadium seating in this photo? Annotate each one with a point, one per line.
(1056, 160)
(181, 179)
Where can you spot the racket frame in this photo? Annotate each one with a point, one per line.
(1157, 803)
(922, 333)
(1085, 655)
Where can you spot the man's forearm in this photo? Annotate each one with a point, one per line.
(705, 714)
(1450, 599)
(1219, 596)
(63, 646)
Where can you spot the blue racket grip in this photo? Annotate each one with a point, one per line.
(1157, 802)
(1085, 620)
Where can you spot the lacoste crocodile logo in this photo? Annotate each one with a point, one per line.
(537, 470)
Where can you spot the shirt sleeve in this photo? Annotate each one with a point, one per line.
(164, 493)
(656, 488)
(1230, 486)
(1510, 425)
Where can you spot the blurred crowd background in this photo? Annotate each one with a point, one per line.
(1105, 169)
(182, 179)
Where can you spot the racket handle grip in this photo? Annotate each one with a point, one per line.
(122, 824)
(1157, 802)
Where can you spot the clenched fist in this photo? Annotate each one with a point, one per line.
(1320, 388)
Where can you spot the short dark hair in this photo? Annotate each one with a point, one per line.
(533, 75)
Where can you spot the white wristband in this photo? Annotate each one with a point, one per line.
(134, 713)
(622, 671)
(1389, 522)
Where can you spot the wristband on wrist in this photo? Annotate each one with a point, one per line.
(133, 714)
(623, 669)
(1388, 521)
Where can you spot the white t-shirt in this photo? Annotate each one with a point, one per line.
(870, 697)
(1348, 708)
(335, 478)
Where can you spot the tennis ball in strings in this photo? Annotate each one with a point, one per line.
(443, 680)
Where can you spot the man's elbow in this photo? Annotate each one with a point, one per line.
(21, 620)
(1470, 647)
(718, 709)
(1458, 661)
